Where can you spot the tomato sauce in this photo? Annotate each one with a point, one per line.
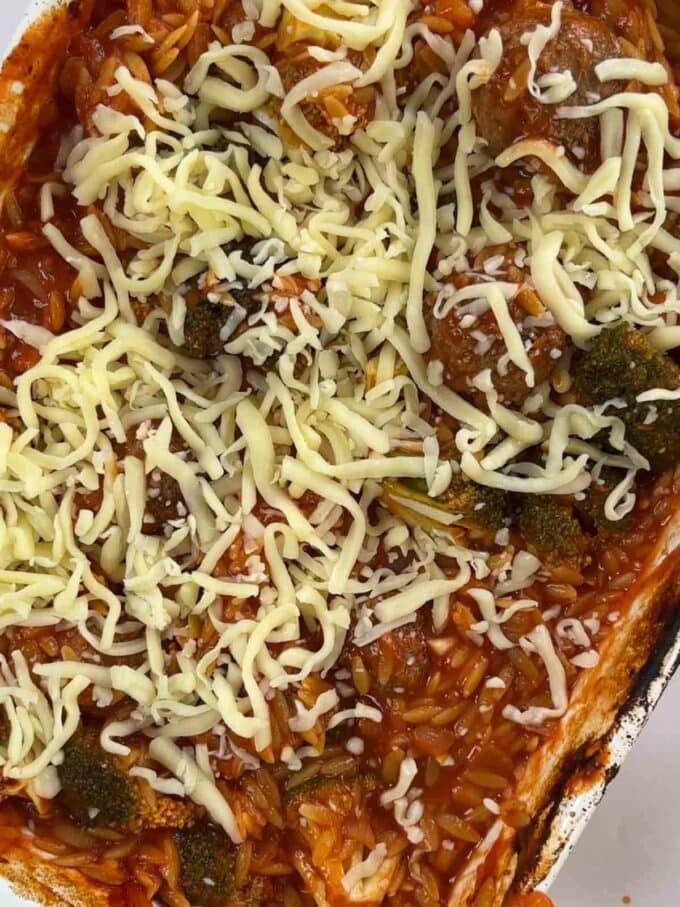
(452, 722)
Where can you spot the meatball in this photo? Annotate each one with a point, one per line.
(164, 498)
(326, 110)
(467, 344)
(505, 110)
(164, 502)
(397, 662)
(628, 19)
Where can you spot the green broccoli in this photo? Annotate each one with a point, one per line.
(479, 509)
(549, 526)
(207, 859)
(591, 507)
(202, 326)
(204, 321)
(94, 789)
(621, 363)
(330, 790)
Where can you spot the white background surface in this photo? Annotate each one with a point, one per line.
(632, 846)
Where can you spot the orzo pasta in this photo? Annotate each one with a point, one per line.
(338, 439)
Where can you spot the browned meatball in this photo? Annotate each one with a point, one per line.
(164, 499)
(325, 109)
(164, 502)
(505, 110)
(397, 662)
(465, 350)
(629, 19)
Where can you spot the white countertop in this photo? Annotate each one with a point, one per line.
(631, 846)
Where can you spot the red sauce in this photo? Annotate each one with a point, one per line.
(471, 756)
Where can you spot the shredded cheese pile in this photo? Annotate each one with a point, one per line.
(331, 406)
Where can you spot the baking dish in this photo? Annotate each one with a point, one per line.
(597, 743)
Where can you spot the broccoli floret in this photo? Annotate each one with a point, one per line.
(654, 430)
(95, 790)
(591, 507)
(549, 526)
(204, 321)
(207, 859)
(480, 510)
(202, 326)
(329, 790)
(621, 363)
(481, 507)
